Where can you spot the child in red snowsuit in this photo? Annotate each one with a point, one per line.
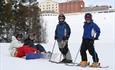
(25, 49)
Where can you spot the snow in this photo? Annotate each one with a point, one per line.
(104, 46)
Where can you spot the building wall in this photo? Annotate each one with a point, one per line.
(49, 5)
(71, 6)
(95, 8)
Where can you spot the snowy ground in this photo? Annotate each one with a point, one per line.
(104, 46)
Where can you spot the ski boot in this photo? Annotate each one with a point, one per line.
(83, 64)
(95, 64)
(68, 61)
(65, 61)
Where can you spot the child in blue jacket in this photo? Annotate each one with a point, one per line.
(90, 34)
(62, 34)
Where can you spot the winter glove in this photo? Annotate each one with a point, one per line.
(91, 42)
(65, 38)
(55, 38)
(96, 38)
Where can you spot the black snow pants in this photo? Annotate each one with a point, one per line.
(88, 44)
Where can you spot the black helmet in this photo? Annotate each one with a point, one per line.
(61, 15)
(88, 15)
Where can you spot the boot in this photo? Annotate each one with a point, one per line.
(63, 61)
(95, 64)
(83, 63)
(66, 61)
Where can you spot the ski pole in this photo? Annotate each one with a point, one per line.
(52, 50)
(76, 55)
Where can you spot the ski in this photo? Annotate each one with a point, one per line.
(77, 64)
(55, 62)
(71, 64)
(100, 67)
(60, 62)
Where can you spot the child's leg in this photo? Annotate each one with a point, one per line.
(40, 48)
(68, 54)
(63, 47)
(20, 52)
(94, 54)
(35, 56)
(92, 51)
(28, 50)
(83, 51)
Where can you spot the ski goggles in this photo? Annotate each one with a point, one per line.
(88, 18)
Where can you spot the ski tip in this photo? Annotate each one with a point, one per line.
(53, 62)
(101, 67)
(104, 67)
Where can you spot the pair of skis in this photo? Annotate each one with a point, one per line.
(73, 64)
(77, 64)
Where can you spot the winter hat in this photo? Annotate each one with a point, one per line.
(61, 16)
(88, 16)
(31, 34)
(19, 36)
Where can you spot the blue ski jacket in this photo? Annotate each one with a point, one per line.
(62, 30)
(91, 30)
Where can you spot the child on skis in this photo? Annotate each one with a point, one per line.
(90, 34)
(62, 34)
